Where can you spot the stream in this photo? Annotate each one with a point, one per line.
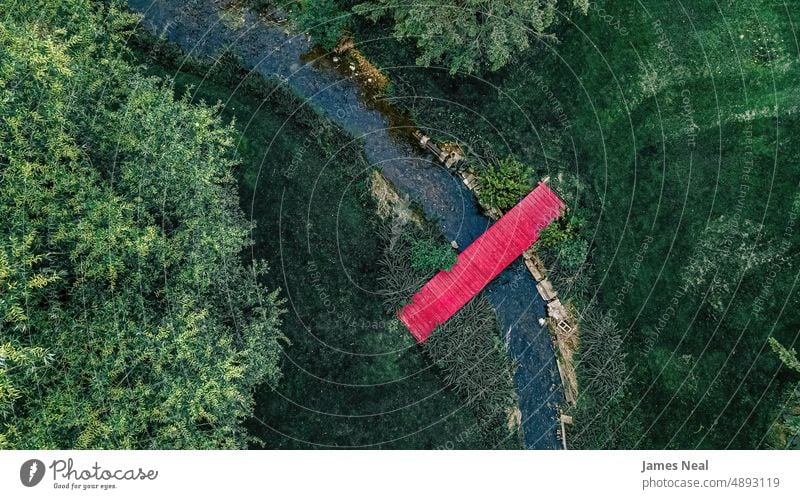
(264, 47)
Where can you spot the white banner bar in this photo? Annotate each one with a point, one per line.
(389, 474)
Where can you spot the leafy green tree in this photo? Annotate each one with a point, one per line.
(127, 318)
(503, 185)
(468, 36)
(324, 20)
(786, 431)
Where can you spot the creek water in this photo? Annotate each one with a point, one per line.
(200, 29)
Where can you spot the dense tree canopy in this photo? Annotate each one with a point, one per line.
(127, 319)
(324, 20)
(467, 36)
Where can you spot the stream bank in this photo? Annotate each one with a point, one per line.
(274, 53)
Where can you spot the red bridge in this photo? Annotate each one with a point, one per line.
(448, 291)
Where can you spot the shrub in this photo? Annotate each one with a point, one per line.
(561, 230)
(504, 184)
(552, 235)
(572, 252)
(427, 255)
(127, 316)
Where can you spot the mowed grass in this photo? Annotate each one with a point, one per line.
(351, 377)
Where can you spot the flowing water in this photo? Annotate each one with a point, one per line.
(196, 26)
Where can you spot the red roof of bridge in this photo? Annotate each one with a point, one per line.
(482, 261)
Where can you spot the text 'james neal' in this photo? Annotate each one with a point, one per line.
(684, 466)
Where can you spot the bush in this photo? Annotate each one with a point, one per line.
(572, 252)
(427, 255)
(503, 185)
(561, 230)
(552, 235)
(602, 415)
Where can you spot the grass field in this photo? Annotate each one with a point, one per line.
(681, 124)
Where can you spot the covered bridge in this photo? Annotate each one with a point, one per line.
(448, 291)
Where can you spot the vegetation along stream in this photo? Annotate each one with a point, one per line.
(269, 50)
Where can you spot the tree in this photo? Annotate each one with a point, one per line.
(324, 20)
(127, 318)
(467, 36)
(501, 186)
